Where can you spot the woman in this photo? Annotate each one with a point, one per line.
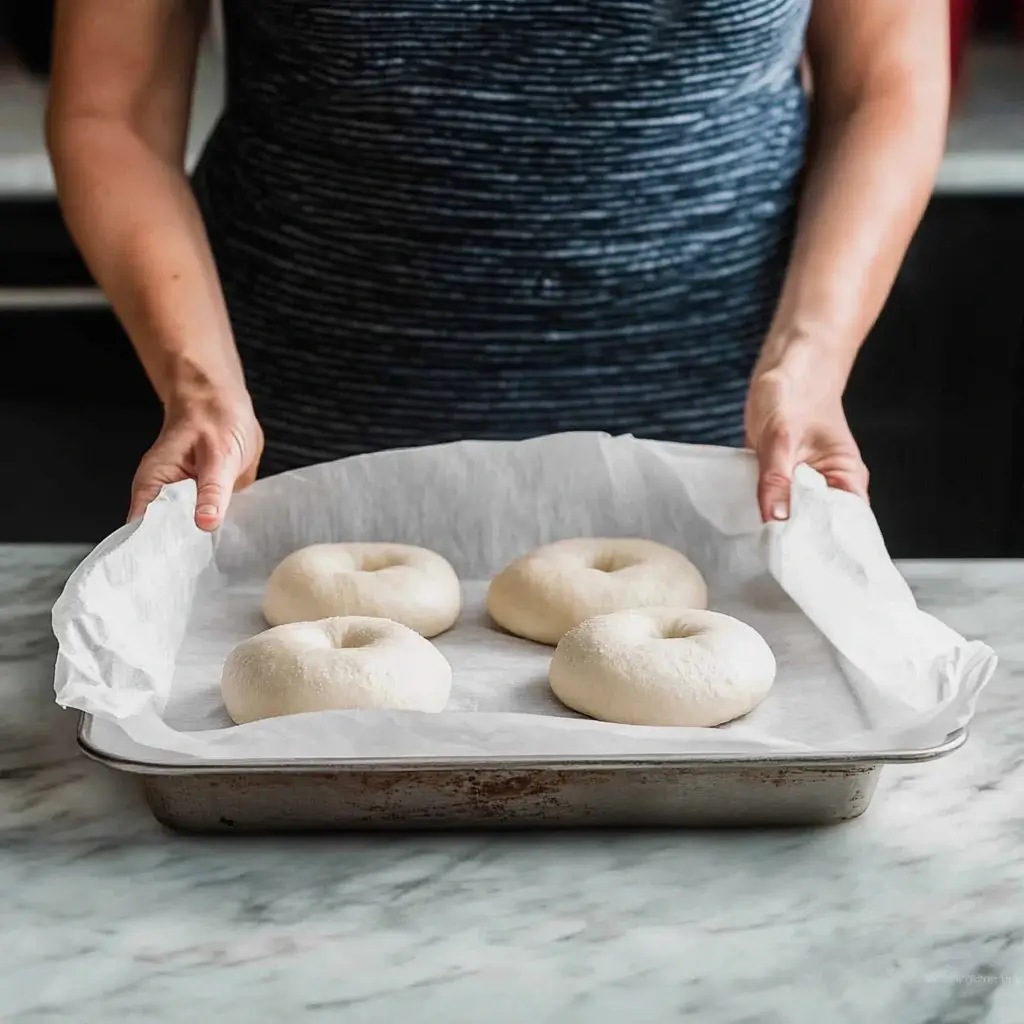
(420, 220)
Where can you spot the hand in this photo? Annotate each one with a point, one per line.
(214, 440)
(793, 418)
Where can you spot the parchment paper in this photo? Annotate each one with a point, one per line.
(145, 622)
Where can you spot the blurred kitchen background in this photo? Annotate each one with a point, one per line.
(937, 399)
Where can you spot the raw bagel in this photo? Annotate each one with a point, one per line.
(334, 664)
(410, 585)
(662, 666)
(548, 591)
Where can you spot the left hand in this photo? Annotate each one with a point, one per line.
(791, 419)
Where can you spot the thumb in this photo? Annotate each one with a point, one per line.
(215, 476)
(776, 458)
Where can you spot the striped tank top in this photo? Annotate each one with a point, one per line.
(440, 219)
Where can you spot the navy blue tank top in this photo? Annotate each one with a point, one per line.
(438, 219)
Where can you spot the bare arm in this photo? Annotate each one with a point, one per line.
(880, 73)
(117, 127)
(881, 86)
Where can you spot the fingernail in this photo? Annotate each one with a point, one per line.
(780, 511)
(206, 510)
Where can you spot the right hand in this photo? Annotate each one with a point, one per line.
(216, 441)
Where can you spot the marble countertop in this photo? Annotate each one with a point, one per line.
(912, 914)
(985, 153)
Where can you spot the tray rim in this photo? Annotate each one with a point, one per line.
(318, 766)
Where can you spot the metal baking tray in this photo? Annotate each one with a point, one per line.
(673, 791)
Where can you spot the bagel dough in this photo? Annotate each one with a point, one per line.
(548, 591)
(407, 584)
(662, 666)
(334, 664)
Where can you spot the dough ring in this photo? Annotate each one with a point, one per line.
(334, 664)
(407, 584)
(548, 591)
(662, 666)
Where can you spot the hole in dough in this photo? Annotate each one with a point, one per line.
(375, 563)
(355, 638)
(610, 563)
(675, 631)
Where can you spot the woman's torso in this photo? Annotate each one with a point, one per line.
(488, 213)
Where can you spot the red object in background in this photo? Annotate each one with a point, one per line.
(961, 17)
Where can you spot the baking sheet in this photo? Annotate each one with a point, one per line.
(144, 624)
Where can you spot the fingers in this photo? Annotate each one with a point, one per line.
(251, 459)
(154, 473)
(247, 478)
(776, 457)
(853, 480)
(142, 495)
(217, 443)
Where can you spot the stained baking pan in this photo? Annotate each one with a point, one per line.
(676, 791)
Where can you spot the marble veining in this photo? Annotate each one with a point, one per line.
(913, 914)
